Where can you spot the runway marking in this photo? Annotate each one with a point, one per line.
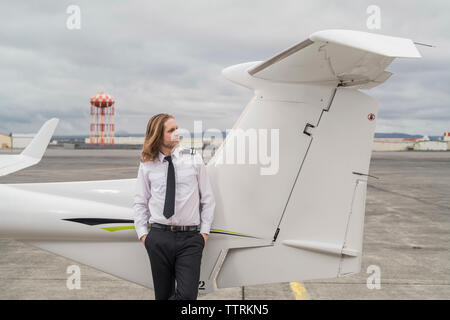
(299, 290)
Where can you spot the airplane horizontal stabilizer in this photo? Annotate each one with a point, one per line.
(347, 57)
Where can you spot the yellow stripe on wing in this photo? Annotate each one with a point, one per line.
(117, 228)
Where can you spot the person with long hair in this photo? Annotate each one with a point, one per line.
(174, 209)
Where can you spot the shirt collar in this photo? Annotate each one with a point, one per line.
(175, 152)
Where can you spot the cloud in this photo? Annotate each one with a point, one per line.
(167, 56)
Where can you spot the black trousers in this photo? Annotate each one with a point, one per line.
(175, 259)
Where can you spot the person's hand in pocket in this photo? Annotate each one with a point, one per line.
(143, 238)
(205, 236)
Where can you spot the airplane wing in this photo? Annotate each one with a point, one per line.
(32, 154)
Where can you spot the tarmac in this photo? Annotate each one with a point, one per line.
(406, 236)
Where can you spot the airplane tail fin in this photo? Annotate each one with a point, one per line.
(32, 154)
(314, 131)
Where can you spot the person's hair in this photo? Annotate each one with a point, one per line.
(154, 136)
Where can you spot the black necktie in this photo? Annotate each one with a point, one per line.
(169, 204)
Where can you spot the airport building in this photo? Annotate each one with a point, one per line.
(447, 136)
(395, 144)
(5, 141)
(431, 146)
(197, 142)
(21, 140)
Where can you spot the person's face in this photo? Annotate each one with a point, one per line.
(171, 137)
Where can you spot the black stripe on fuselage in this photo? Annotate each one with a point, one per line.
(95, 221)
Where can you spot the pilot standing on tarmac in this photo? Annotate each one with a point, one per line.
(173, 195)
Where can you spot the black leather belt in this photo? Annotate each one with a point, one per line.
(174, 228)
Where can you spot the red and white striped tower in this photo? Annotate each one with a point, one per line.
(102, 119)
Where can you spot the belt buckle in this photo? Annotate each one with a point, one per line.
(171, 228)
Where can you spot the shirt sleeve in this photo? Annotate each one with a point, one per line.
(141, 197)
(207, 201)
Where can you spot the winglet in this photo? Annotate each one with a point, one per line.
(33, 153)
(38, 145)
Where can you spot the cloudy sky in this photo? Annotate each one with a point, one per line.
(167, 56)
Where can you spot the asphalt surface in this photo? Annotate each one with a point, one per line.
(406, 236)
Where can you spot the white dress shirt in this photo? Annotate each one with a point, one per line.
(194, 199)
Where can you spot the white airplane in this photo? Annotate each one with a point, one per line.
(305, 222)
